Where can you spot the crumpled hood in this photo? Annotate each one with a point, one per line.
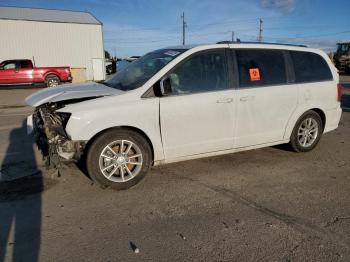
(68, 92)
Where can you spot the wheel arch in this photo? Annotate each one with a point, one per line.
(52, 74)
(294, 120)
(321, 114)
(131, 128)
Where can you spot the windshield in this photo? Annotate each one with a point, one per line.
(138, 72)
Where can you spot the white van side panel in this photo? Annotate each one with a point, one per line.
(263, 113)
(318, 95)
(333, 118)
(301, 109)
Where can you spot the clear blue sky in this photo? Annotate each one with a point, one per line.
(133, 27)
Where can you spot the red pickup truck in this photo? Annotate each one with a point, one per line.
(22, 72)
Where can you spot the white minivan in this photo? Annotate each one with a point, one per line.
(188, 102)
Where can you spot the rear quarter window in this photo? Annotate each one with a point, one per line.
(310, 67)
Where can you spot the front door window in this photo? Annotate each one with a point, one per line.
(203, 72)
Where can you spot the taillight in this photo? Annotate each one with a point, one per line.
(339, 92)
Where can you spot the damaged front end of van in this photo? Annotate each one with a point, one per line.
(48, 128)
(48, 124)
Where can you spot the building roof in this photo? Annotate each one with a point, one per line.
(47, 15)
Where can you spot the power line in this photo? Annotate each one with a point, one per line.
(222, 33)
(174, 28)
(246, 21)
(310, 36)
(142, 40)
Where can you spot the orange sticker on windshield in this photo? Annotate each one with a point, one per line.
(254, 74)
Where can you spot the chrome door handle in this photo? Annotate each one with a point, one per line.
(225, 100)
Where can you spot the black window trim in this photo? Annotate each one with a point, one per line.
(289, 67)
(234, 75)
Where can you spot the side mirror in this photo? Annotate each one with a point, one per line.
(165, 86)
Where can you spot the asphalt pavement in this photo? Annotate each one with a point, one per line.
(268, 204)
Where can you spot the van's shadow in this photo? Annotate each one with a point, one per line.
(20, 200)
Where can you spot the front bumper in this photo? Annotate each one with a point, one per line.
(30, 126)
(51, 139)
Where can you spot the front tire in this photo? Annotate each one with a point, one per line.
(119, 159)
(307, 132)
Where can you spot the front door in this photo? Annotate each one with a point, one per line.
(25, 72)
(198, 116)
(265, 100)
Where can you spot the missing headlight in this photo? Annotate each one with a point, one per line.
(64, 117)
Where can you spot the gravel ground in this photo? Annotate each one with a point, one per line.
(262, 205)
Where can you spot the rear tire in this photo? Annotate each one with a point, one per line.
(307, 132)
(52, 81)
(119, 159)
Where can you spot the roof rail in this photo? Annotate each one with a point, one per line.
(262, 43)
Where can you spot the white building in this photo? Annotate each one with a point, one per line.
(53, 38)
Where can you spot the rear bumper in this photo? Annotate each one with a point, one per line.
(332, 119)
(69, 79)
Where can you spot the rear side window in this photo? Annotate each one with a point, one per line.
(261, 67)
(26, 64)
(310, 67)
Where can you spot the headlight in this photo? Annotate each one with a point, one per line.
(64, 117)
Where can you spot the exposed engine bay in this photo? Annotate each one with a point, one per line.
(49, 125)
(51, 137)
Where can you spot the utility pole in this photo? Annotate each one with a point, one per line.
(184, 25)
(260, 30)
(233, 36)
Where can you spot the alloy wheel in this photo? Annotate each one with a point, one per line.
(308, 132)
(120, 161)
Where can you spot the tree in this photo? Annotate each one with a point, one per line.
(107, 55)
